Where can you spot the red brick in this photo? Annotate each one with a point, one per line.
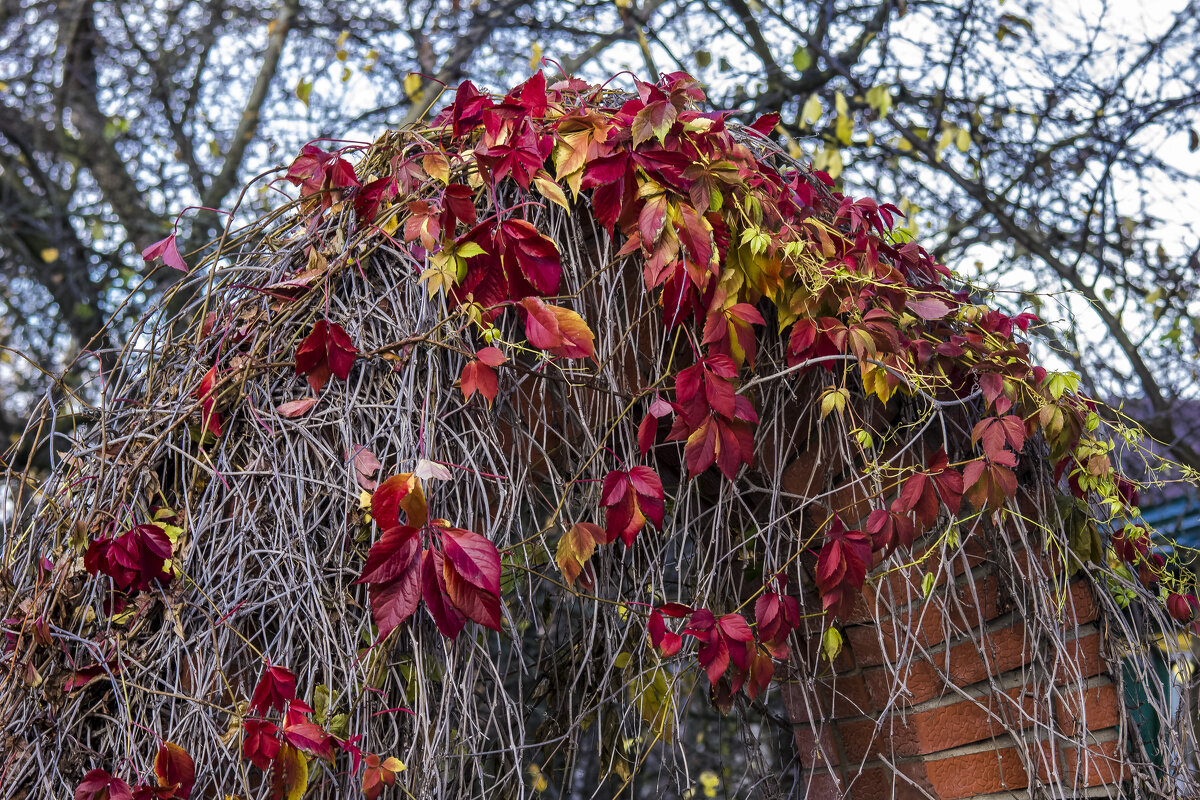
(929, 620)
(1081, 607)
(815, 746)
(874, 783)
(821, 785)
(1081, 659)
(1102, 763)
(936, 729)
(1097, 706)
(969, 774)
(843, 696)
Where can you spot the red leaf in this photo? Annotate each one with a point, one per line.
(399, 493)
(296, 408)
(326, 350)
(929, 308)
(466, 113)
(449, 620)
(134, 560)
(765, 124)
(919, 496)
(99, 785)
(393, 600)
(991, 385)
(994, 432)
(458, 202)
(366, 464)
(479, 377)
(776, 616)
(491, 356)
(631, 498)
(536, 255)
(174, 768)
(1181, 607)
(260, 742)
(167, 251)
(559, 330)
(310, 738)
(82, 677)
(648, 429)
(667, 642)
(471, 570)
(276, 688)
(842, 567)
(389, 557)
(473, 559)
(209, 418)
(734, 626)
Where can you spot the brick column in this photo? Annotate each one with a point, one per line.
(938, 699)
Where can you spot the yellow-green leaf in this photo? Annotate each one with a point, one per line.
(801, 60)
(831, 644)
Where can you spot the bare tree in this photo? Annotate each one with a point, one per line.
(1047, 148)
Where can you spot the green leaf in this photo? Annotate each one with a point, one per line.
(321, 703)
(703, 58)
(469, 250)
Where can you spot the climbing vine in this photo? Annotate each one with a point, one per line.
(731, 250)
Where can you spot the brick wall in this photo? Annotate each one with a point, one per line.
(955, 695)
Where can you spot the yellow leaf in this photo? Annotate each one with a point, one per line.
(575, 548)
(540, 784)
(440, 275)
(963, 140)
(946, 139)
(655, 701)
(303, 90)
(370, 61)
(844, 128)
(812, 110)
(840, 104)
(289, 774)
(550, 190)
(875, 381)
(412, 87)
(829, 160)
(437, 166)
(880, 99)
(50, 255)
(391, 222)
(535, 57)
